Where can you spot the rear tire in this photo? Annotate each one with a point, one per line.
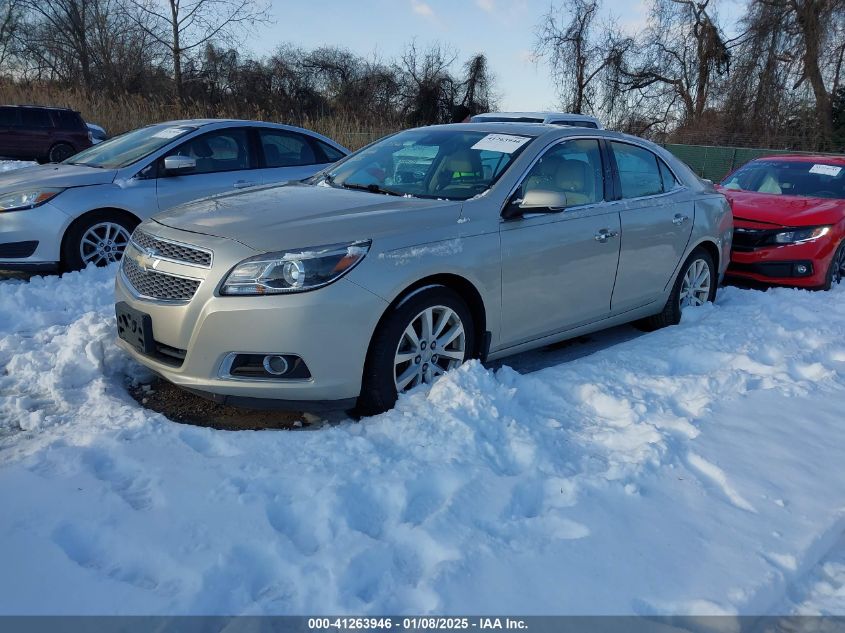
(60, 152)
(694, 267)
(836, 270)
(396, 362)
(97, 238)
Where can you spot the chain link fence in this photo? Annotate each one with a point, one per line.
(714, 163)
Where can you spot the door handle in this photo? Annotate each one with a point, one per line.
(603, 235)
(679, 219)
(242, 184)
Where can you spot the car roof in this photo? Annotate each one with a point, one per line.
(27, 106)
(544, 115)
(199, 123)
(806, 158)
(538, 130)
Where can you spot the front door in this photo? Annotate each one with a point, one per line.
(558, 268)
(656, 217)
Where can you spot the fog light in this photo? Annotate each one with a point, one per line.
(275, 364)
(801, 269)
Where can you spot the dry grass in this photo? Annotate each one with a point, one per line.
(121, 113)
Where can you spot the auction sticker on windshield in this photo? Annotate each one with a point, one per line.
(825, 170)
(505, 143)
(170, 132)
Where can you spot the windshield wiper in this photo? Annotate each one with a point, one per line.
(372, 188)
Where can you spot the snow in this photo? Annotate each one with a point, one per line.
(9, 165)
(693, 470)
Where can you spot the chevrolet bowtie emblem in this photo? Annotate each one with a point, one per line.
(148, 260)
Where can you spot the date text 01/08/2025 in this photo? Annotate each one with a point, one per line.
(415, 623)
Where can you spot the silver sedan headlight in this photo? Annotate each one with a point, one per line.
(293, 271)
(21, 200)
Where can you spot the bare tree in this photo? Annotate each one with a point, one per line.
(185, 26)
(565, 38)
(679, 58)
(9, 25)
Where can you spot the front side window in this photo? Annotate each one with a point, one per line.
(332, 154)
(219, 151)
(790, 178)
(448, 164)
(126, 149)
(574, 168)
(639, 170)
(286, 149)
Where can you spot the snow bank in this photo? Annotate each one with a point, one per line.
(9, 165)
(692, 470)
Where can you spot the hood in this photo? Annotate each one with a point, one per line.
(54, 176)
(767, 208)
(297, 216)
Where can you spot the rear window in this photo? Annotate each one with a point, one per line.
(69, 120)
(35, 117)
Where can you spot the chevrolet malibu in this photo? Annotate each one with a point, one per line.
(414, 254)
(79, 212)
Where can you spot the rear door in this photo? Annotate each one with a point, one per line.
(35, 132)
(558, 268)
(288, 155)
(225, 162)
(656, 217)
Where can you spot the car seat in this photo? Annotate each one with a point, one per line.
(576, 179)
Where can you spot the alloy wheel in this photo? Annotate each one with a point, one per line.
(103, 243)
(695, 287)
(433, 343)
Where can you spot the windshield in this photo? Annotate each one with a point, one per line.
(131, 147)
(789, 178)
(428, 163)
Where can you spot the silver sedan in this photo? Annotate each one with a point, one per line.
(82, 211)
(409, 257)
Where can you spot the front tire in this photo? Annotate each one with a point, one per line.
(836, 270)
(695, 285)
(427, 334)
(98, 238)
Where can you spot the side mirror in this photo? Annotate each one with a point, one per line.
(176, 165)
(535, 201)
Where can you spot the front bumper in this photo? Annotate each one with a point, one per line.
(329, 329)
(31, 239)
(782, 265)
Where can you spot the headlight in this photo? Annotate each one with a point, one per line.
(801, 235)
(293, 271)
(20, 200)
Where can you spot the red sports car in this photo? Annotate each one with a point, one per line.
(789, 220)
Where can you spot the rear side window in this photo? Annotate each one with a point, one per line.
(332, 155)
(669, 180)
(8, 116)
(33, 117)
(68, 120)
(639, 172)
(286, 149)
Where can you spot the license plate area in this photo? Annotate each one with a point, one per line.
(135, 327)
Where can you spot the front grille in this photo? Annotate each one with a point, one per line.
(165, 249)
(751, 239)
(158, 285)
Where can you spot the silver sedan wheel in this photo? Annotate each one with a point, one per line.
(433, 343)
(103, 243)
(695, 288)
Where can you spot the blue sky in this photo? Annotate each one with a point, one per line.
(501, 29)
